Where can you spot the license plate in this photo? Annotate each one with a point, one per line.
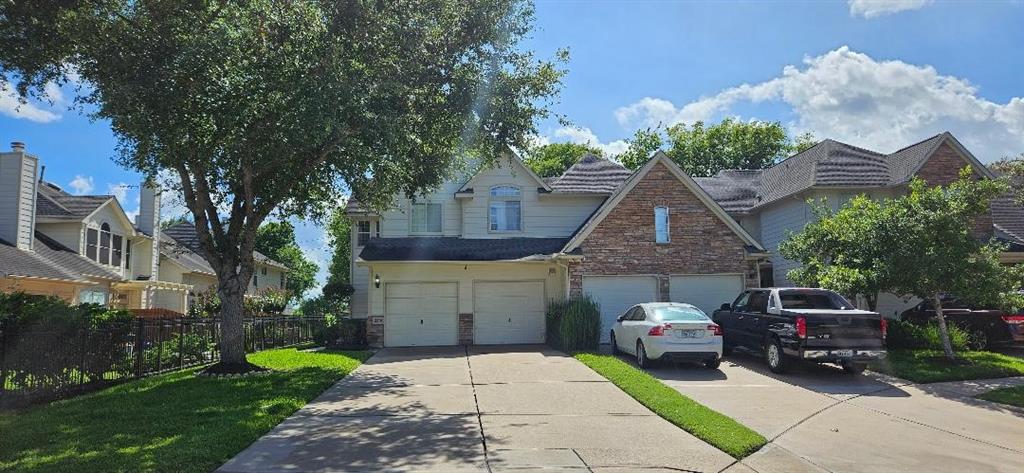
(843, 353)
(690, 333)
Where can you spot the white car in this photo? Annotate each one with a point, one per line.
(667, 331)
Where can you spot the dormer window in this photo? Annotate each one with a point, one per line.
(505, 209)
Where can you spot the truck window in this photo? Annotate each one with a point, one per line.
(813, 299)
(758, 301)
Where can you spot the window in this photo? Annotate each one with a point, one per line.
(282, 281)
(362, 232)
(639, 314)
(679, 314)
(115, 257)
(92, 297)
(92, 237)
(255, 281)
(741, 302)
(505, 210)
(263, 271)
(661, 225)
(128, 254)
(425, 218)
(813, 299)
(105, 244)
(758, 302)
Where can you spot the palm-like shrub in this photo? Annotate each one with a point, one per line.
(574, 324)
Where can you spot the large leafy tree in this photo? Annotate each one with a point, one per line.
(266, 106)
(339, 276)
(920, 244)
(703, 150)
(553, 159)
(277, 241)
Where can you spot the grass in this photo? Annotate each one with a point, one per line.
(710, 426)
(931, 366)
(1013, 396)
(176, 422)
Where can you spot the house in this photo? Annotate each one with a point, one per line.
(772, 203)
(84, 248)
(478, 260)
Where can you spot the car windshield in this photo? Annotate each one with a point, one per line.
(813, 299)
(679, 314)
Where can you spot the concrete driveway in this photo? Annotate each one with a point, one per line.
(821, 419)
(482, 409)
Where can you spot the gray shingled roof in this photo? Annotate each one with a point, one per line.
(1008, 218)
(49, 259)
(826, 164)
(184, 236)
(53, 202)
(591, 175)
(460, 249)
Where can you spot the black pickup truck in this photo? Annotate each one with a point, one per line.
(815, 325)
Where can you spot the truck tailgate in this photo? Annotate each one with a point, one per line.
(842, 329)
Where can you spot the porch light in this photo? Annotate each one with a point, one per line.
(376, 280)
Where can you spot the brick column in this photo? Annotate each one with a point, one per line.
(375, 331)
(575, 279)
(465, 329)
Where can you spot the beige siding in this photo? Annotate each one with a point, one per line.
(17, 198)
(63, 290)
(777, 222)
(271, 280)
(68, 234)
(395, 222)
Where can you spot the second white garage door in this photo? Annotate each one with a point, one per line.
(420, 314)
(508, 312)
(706, 291)
(615, 294)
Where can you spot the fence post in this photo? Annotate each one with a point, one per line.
(181, 342)
(159, 344)
(3, 355)
(140, 343)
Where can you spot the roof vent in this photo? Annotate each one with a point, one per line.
(17, 146)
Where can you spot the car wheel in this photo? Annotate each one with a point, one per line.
(773, 354)
(615, 345)
(713, 364)
(854, 368)
(641, 356)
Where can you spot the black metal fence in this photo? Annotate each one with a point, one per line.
(44, 363)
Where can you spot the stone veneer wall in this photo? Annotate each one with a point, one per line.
(375, 332)
(465, 329)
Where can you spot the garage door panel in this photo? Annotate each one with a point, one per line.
(508, 312)
(421, 314)
(615, 294)
(706, 291)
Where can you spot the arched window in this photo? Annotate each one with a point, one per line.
(505, 209)
(105, 243)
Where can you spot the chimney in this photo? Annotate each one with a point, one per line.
(148, 219)
(18, 196)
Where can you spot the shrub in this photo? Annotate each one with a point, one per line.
(574, 325)
(191, 348)
(205, 303)
(341, 333)
(266, 302)
(909, 336)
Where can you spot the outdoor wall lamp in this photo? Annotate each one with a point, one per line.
(376, 281)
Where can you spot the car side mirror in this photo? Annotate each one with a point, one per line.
(726, 306)
(619, 318)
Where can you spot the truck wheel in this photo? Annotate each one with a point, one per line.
(774, 355)
(713, 364)
(854, 368)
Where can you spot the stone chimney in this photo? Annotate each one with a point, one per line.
(18, 184)
(148, 219)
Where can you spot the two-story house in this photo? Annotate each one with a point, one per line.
(478, 260)
(84, 248)
(773, 203)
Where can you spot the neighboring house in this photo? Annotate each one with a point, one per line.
(772, 203)
(478, 260)
(84, 248)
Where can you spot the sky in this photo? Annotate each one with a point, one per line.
(875, 74)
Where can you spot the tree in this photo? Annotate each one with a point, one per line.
(920, 244)
(267, 107)
(1013, 170)
(339, 277)
(165, 224)
(276, 240)
(802, 143)
(703, 150)
(551, 160)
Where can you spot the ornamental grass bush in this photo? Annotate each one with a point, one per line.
(574, 325)
(904, 335)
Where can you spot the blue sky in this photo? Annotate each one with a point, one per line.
(872, 73)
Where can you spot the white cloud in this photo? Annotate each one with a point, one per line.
(876, 8)
(82, 184)
(849, 96)
(11, 105)
(584, 136)
(120, 191)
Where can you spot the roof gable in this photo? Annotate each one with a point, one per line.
(515, 162)
(688, 182)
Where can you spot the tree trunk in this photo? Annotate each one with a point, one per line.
(947, 346)
(232, 311)
(872, 299)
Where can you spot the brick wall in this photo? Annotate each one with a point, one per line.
(465, 329)
(623, 243)
(943, 168)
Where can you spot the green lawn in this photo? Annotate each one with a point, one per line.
(716, 429)
(1013, 396)
(931, 366)
(175, 422)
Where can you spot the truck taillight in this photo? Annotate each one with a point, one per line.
(715, 329)
(658, 330)
(884, 325)
(801, 326)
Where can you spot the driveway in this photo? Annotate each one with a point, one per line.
(481, 409)
(821, 419)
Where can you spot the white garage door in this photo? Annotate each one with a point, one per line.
(615, 294)
(420, 314)
(706, 291)
(508, 312)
